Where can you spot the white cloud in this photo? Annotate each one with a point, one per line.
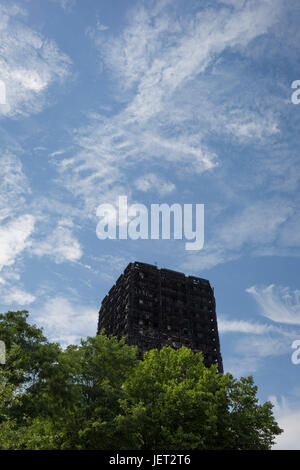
(210, 256)
(264, 346)
(16, 296)
(14, 238)
(92, 32)
(66, 321)
(14, 185)
(249, 125)
(29, 63)
(57, 153)
(67, 5)
(257, 342)
(257, 224)
(257, 227)
(153, 182)
(137, 56)
(156, 60)
(61, 245)
(290, 233)
(12, 292)
(279, 304)
(109, 266)
(241, 326)
(241, 365)
(116, 263)
(288, 418)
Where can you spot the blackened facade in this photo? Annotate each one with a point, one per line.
(154, 307)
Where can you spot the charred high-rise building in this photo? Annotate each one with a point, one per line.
(154, 307)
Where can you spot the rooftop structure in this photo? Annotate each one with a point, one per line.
(154, 307)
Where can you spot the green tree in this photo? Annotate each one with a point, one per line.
(30, 360)
(178, 403)
(72, 402)
(94, 374)
(98, 395)
(29, 349)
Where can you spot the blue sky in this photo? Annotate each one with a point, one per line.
(165, 102)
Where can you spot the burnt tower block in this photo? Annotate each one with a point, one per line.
(154, 307)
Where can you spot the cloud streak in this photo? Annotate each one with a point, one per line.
(288, 417)
(29, 63)
(15, 238)
(157, 59)
(60, 245)
(279, 304)
(65, 321)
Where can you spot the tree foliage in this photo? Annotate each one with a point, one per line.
(98, 395)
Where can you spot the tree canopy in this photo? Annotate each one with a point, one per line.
(98, 395)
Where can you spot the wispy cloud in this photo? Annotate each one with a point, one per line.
(254, 343)
(151, 182)
(61, 245)
(288, 417)
(269, 345)
(261, 340)
(279, 304)
(257, 224)
(253, 227)
(16, 296)
(113, 264)
(15, 238)
(239, 365)
(176, 98)
(66, 321)
(29, 63)
(257, 344)
(14, 185)
(156, 72)
(67, 5)
(157, 61)
(241, 326)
